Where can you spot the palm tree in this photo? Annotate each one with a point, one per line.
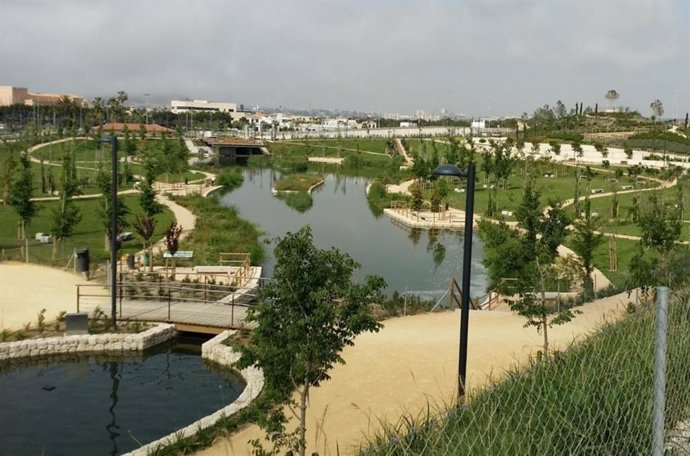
(611, 96)
(657, 108)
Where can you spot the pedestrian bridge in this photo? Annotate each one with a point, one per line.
(200, 302)
(231, 150)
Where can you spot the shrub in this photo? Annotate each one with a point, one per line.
(230, 179)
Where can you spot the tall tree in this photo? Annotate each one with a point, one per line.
(611, 96)
(116, 107)
(145, 227)
(306, 315)
(657, 108)
(528, 255)
(66, 216)
(22, 192)
(104, 181)
(585, 242)
(661, 227)
(9, 160)
(560, 110)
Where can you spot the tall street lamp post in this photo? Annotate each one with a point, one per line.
(450, 170)
(113, 226)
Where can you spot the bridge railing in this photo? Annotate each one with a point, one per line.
(206, 304)
(242, 264)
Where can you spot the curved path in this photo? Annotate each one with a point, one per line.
(411, 364)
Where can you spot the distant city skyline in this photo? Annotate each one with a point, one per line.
(477, 57)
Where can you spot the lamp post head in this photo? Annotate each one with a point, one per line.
(449, 170)
(110, 139)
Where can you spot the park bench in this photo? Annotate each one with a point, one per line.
(44, 238)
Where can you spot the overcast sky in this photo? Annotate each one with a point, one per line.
(478, 57)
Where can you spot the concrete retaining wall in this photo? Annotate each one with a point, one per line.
(214, 350)
(88, 343)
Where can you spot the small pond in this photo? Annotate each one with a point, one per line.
(421, 262)
(108, 405)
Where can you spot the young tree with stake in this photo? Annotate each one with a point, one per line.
(306, 315)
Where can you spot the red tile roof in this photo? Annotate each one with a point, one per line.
(134, 127)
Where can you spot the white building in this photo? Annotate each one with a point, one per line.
(178, 106)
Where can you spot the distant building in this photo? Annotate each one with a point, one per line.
(408, 124)
(617, 109)
(478, 124)
(340, 122)
(20, 95)
(179, 106)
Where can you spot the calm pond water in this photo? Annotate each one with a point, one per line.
(104, 405)
(419, 261)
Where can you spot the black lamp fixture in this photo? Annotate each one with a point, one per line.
(450, 170)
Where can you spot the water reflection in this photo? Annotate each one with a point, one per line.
(112, 427)
(114, 403)
(341, 217)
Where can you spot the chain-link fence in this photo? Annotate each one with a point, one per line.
(594, 398)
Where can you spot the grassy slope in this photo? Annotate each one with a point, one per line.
(219, 229)
(558, 188)
(594, 398)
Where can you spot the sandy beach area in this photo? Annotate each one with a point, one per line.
(25, 289)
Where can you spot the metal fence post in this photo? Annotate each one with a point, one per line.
(168, 303)
(77, 298)
(121, 293)
(659, 398)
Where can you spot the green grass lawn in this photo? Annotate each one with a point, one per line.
(90, 155)
(560, 187)
(377, 146)
(297, 182)
(330, 148)
(88, 233)
(86, 176)
(625, 250)
(84, 150)
(354, 161)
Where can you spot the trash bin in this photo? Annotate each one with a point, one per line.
(81, 261)
(130, 261)
(146, 258)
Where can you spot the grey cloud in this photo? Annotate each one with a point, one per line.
(477, 56)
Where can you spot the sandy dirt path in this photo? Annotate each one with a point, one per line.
(412, 362)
